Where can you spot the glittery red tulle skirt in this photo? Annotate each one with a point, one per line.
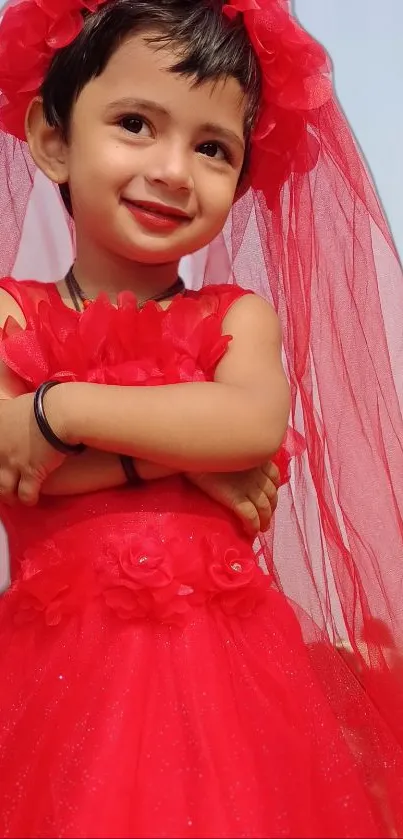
(157, 685)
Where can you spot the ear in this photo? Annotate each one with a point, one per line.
(47, 147)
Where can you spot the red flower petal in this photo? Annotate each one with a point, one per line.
(128, 604)
(30, 34)
(296, 80)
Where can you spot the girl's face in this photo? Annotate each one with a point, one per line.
(139, 134)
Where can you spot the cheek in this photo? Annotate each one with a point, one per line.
(217, 198)
(103, 163)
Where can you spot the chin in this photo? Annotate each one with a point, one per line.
(151, 255)
(159, 250)
(155, 258)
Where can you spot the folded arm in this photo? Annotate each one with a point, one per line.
(96, 470)
(250, 494)
(234, 423)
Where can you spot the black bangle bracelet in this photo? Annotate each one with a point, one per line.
(44, 427)
(132, 476)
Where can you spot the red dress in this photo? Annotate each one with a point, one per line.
(154, 683)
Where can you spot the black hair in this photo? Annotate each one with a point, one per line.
(209, 46)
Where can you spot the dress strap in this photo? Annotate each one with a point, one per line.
(229, 294)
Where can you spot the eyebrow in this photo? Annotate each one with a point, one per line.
(128, 104)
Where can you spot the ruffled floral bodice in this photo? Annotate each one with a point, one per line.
(123, 345)
(153, 551)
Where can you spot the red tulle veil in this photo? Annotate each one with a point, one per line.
(310, 235)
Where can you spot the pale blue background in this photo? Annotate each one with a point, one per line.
(365, 41)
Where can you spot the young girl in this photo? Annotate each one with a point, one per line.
(155, 682)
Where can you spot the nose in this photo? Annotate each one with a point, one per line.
(170, 167)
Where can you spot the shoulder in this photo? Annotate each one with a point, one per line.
(252, 312)
(240, 308)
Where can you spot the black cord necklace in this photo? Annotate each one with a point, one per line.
(80, 301)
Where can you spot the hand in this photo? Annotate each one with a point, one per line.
(26, 459)
(251, 495)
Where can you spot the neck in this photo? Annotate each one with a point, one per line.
(96, 273)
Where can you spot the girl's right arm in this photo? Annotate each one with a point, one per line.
(92, 471)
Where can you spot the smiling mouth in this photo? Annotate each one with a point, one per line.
(161, 211)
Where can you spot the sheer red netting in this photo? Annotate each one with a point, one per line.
(323, 254)
(310, 236)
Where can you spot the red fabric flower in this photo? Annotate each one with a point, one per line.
(145, 562)
(143, 580)
(52, 585)
(231, 571)
(235, 582)
(30, 34)
(296, 83)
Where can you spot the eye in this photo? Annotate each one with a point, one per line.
(214, 150)
(135, 125)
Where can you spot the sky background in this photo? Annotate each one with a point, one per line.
(365, 41)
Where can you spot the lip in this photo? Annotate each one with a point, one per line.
(160, 209)
(155, 216)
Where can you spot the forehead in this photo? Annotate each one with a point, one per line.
(140, 70)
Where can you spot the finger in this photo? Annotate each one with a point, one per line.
(28, 491)
(270, 490)
(248, 515)
(263, 506)
(273, 473)
(8, 486)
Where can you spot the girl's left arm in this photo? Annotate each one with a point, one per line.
(234, 423)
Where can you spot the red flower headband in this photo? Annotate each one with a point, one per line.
(296, 76)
